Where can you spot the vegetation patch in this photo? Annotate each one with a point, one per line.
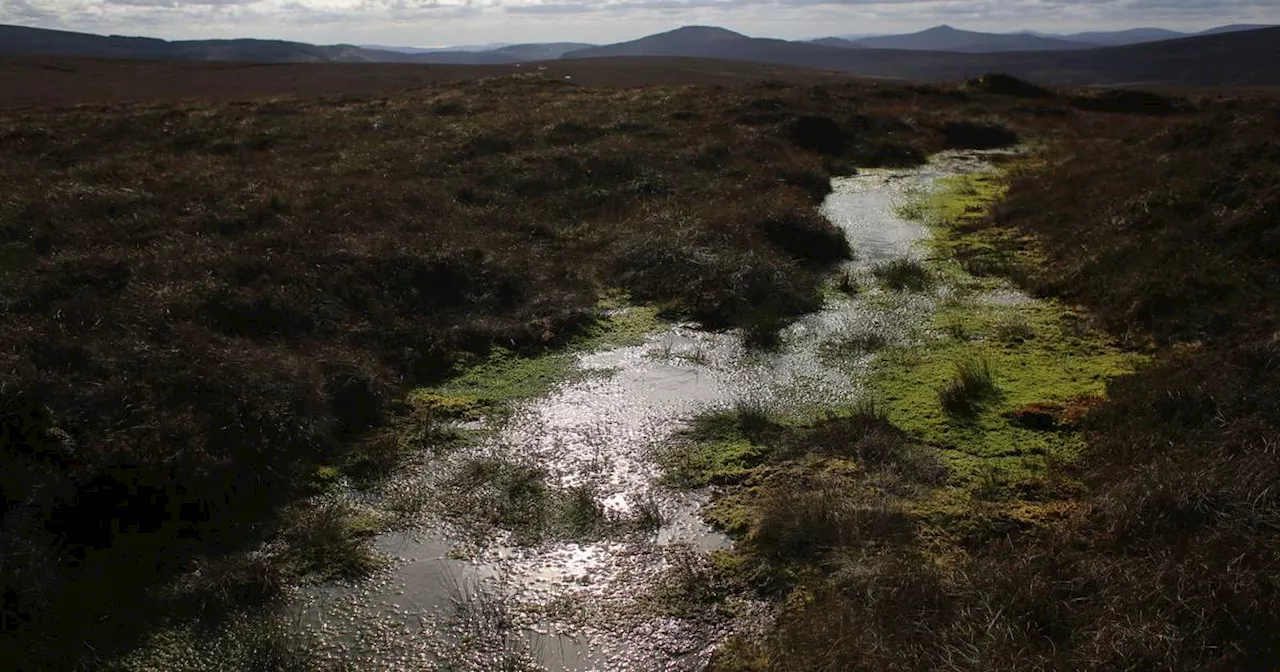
(978, 135)
(903, 275)
(855, 344)
(972, 385)
(1103, 492)
(491, 494)
(965, 444)
(990, 351)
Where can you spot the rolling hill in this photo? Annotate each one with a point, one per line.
(839, 42)
(512, 53)
(39, 41)
(708, 42)
(1117, 38)
(1248, 58)
(946, 38)
(1225, 57)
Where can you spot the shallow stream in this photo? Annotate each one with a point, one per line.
(454, 600)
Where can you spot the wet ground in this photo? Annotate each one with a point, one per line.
(455, 598)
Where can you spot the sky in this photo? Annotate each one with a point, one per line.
(464, 22)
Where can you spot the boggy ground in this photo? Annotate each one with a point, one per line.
(211, 309)
(1011, 496)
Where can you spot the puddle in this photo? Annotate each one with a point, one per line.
(450, 601)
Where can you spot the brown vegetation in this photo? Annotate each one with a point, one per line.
(46, 81)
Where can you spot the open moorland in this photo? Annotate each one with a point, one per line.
(220, 281)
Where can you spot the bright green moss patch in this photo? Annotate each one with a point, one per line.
(623, 324)
(955, 210)
(505, 376)
(1036, 351)
(718, 462)
(720, 447)
(966, 416)
(450, 407)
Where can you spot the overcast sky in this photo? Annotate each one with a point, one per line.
(453, 22)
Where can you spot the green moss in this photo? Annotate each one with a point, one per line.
(734, 513)
(1037, 351)
(623, 324)
(451, 407)
(504, 376)
(1039, 354)
(698, 464)
(326, 474)
(956, 211)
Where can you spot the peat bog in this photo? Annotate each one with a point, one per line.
(215, 309)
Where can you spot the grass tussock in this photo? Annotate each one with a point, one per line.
(857, 343)
(848, 284)
(972, 385)
(978, 135)
(1008, 85)
(903, 275)
(818, 519)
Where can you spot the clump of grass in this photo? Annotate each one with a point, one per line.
(491, 492)
(806, 235)
(647, 515)
(971, 386)
(903, 275)
(213, 588)
(867, 436)
(857, 343)
(580, 511)
(978, 135)
(814, 519)
(258, 641)
(752, 418)
(763, 331)
(330, 540)
(957, 330)
(1014, 331)
(848, 284)
(481, 629)
(1007, 85)
(691, 583)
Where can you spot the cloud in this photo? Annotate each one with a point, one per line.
(549, 8)
(179, 3)
(22, 11)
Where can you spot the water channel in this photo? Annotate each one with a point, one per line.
(450, 600)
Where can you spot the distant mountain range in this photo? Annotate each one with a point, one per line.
(1231, 55)
(710, 42)
(1250, 57)
(946, 38)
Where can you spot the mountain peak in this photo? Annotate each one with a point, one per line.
(705, 33)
